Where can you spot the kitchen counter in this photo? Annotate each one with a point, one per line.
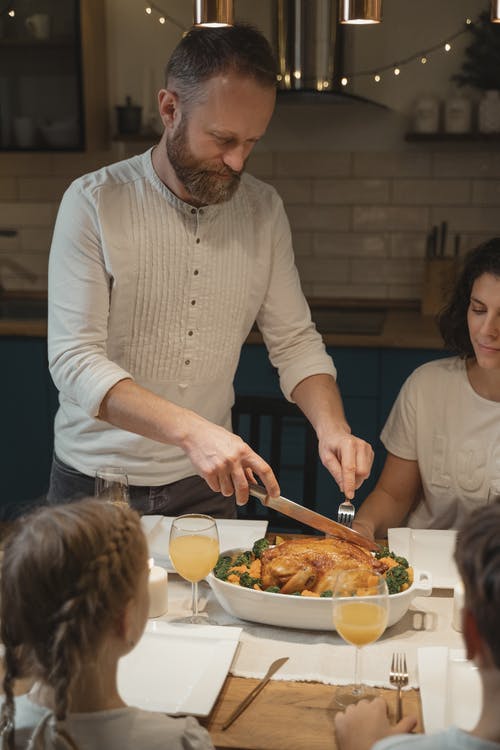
(398, 324)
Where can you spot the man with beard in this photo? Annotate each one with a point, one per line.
(159, 266)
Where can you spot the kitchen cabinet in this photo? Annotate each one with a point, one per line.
(369, 380)
(27, 416)
(53, 91)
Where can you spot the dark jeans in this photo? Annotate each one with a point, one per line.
(190, 495)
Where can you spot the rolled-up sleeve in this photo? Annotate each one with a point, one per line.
(79, 299)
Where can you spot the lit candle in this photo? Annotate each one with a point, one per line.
(158, 590)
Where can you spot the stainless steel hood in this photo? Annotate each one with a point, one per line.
(310, 51)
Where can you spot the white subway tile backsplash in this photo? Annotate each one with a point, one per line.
(469, 219)
(293, 191)
(466, 164)
(391, 164)
(385, 218)
(313, 164)
(359, 220)
(351, 191)
(344, 244)
(486, 192)
(429, 192)
(318, 218)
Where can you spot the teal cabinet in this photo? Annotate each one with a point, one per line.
(27, 414)
(369, 381)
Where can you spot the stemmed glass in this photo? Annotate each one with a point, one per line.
(194, 550)
(111, 484)
(360, 609)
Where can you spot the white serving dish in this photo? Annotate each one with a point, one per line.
(310, 613)
(428, 549)
(450, 689)
(177, 669)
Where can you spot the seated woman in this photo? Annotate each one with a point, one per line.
(74, 599)
(443, 433)
(477, 554)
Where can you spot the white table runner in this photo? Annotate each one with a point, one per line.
(323, 656)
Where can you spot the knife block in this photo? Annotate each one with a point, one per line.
(439, 278)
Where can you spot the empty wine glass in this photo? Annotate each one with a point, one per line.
(360, 605)
(194, 550)
(111, 484)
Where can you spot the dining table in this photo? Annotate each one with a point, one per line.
(297, 708)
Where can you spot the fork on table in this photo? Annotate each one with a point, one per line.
(345, 514)
(399, 677)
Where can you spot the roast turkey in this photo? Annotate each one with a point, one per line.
(313, 563)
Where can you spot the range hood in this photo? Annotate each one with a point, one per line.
(310, 51)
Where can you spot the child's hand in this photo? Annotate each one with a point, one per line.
(363, 724)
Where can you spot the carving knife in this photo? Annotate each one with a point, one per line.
(311, 518)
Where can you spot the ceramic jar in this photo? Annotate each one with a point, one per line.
(489, 112)
(426, 115)
(457, 115)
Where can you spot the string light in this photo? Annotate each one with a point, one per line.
(422, 57)
(163, 17)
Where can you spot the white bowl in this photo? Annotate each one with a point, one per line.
(310, 613)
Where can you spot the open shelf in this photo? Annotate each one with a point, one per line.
(451, 137)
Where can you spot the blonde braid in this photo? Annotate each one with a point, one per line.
(67, 573)
(7, 718)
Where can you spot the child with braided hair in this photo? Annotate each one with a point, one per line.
(74, 600)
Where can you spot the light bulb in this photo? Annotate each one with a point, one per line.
(161, 19)
(397, 71)
(149, 10)
(447, 47)
(376, 78)
(344, 81)
(423, 60)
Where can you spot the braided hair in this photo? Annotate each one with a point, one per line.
(67, 571)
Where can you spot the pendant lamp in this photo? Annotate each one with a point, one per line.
(495, 11)
(213, 12)
(360, 11)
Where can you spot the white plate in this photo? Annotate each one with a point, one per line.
(311, 613)
(450, 689)
(428, 549)
(232, 533)
(177, 669)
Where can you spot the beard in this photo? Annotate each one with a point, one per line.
(205, 182)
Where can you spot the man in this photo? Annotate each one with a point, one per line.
(159, 266)
(477, 554)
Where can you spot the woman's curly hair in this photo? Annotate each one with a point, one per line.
(453, 318)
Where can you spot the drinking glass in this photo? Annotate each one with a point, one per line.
(360, 608)
(194, 550)
(111, 484)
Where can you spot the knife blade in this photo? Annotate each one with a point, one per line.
(246, 702)
(310, 517)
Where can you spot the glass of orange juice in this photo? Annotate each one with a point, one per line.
(194, 550)
(360, 606)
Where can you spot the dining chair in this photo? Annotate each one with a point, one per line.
(278, 431)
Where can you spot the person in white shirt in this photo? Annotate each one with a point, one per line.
(477, 554)
(74, 600)
(159, 267)
(443, 433)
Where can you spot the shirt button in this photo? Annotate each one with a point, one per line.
(190, 333)
(195, 272)
(187, 362)
(193, 302)
(193, 210)
(197, 240)
(201, 212)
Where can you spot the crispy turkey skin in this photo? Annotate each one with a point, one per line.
(313, 563)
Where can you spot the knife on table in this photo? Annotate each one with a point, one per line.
(311, 518)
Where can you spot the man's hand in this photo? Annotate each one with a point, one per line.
(226, 462)
(348, 459)
(366, 722)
